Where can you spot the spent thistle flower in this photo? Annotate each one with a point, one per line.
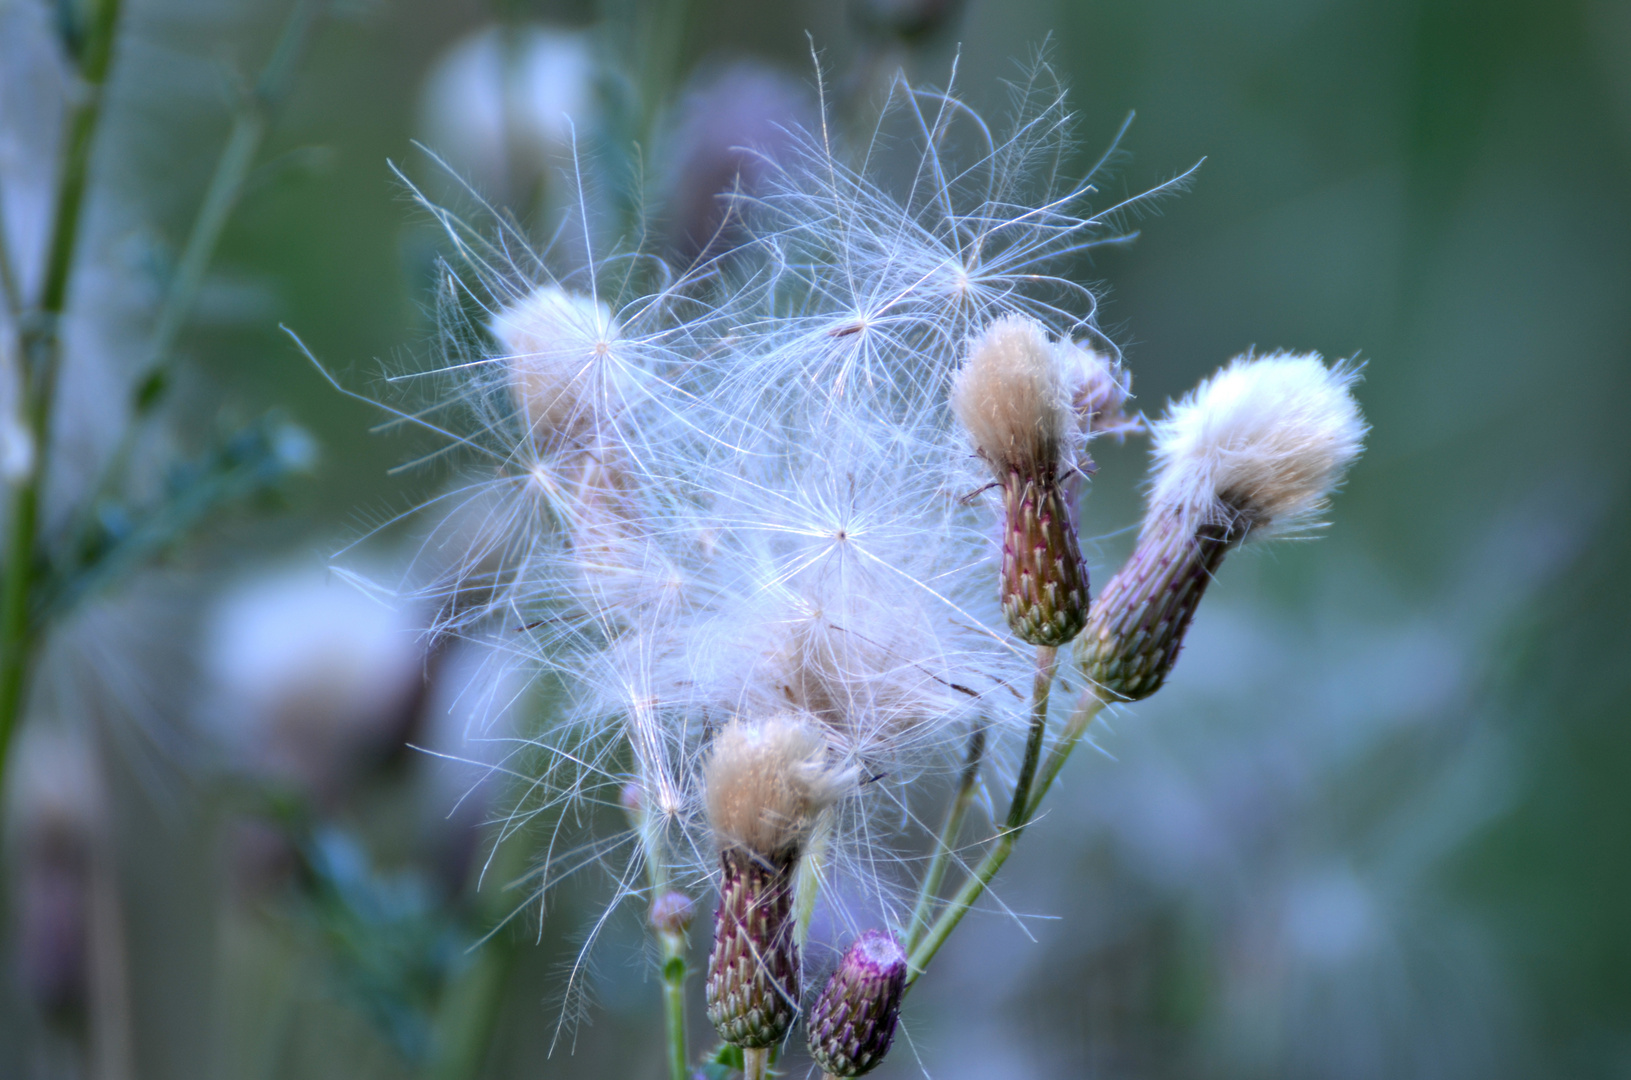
(766, 783)
(1252, 452)
(1029, 405)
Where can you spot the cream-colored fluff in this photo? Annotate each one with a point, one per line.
(1014, 397)
(1031, 404)
(561, 349)
(1258, 446)
(767, 781)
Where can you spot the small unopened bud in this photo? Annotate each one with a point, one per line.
(1253, 451)
(766, 784)
(1017, 396)
(853, 1022)
(672, 913)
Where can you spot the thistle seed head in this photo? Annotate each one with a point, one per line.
(1013, 395)
(1044, 586)
(766, 782)
(1016, 396)
(753, 971)
(853, 1022)
(503, 104)
(1138, 624)
(1252, 451)
(561, 351)
(1257, 447)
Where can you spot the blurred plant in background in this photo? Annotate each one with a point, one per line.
(259, 823)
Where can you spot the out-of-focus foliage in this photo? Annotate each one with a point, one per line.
(1376, 823)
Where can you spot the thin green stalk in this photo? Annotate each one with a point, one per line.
(1047, 659)
(671, 943)
(9, 287)
(946, 842)
(16, 643)
(674, 971)
(470, 1012)
(249, 125)
(755, 1063)
(918, 959)
(41, 346)
(1087, 707)
(1081, 716)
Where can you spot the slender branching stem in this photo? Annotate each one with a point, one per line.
(250, 122)
(946, 842)
(671, 940)
(1087, 707)
(674, 972)
(40, 340)
(1046, 663)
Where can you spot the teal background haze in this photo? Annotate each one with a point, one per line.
(1378, 824)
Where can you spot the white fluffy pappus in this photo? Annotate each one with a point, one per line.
(1031, 404)
(1257, 447)
(310, 678)
(767, 780)
(503, 102)
(778, 424)
(565, 368)
(1015, 399)
(876, 285)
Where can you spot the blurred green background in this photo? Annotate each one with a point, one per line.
(1380, 822)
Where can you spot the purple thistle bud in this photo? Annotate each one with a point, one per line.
(853, 1022)
(672, 913)
(1017, 396)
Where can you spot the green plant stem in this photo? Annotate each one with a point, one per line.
(946, 842)
(40, 340)
(471, 1012)
(249, 126)
(674, 971)
(1087, 707)
(755, 1063)
(671, 943)
(250, 122)
(1047, 659)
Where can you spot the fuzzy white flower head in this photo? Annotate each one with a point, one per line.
(1257, 447)
(767, 781)
(1014, 395)
(563, 366)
